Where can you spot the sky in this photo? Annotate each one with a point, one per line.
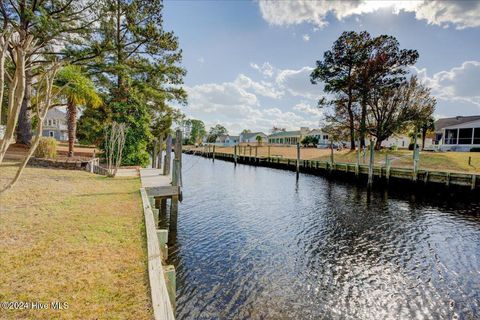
(248, 62)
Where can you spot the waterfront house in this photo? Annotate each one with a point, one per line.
(288, 137)
(225, 140)
(251, 137)
(55, 125)
(457, 133)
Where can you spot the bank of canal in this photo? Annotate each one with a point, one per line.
(255, 242)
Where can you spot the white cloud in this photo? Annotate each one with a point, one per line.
(457, 84)
(263, 88)
(266, 69)
(308, 109)
(306, 37)
(297, 83)
(461, 14)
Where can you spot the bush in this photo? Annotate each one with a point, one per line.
(476, 149)
(410, 146)
(47, 148)
(394, 148)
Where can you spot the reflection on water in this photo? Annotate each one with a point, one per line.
(257, 243)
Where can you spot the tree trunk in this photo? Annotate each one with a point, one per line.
(72, 126)
(378, 144)
(424, 133)
(352, 129)
(24, 127)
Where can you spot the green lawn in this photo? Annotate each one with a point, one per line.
(73, 237)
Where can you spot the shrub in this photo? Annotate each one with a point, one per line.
(476, 149)
(47, 148)
(394, 147)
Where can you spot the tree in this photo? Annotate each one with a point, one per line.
(259, 139)
(216, 131)
(337, 72)
(277, 129)
(427, 125)
(51, 24)
(385, 66)
(392, 109)
(244, 131)
(77, 89)
(197, 131)
(139, 60)
(309, 140)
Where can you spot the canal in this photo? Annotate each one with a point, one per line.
(256, 243)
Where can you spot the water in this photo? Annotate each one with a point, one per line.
(255, 243)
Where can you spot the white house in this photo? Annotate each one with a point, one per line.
(458, 133)
(323, 138)
(401, 141)
(288, 137)
(55, 125)
(226, 140)
(251, 137)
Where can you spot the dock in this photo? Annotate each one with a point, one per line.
(161, 190)
(380, 174)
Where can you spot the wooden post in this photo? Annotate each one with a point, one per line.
(168, 156)
(160, 152)
(256, 151)
(213, 155)
(298, 157)
(169, 272)
(235, 154)
(474, 182)
(469, 161)
(154, 156)
(357, 166)
(250, 151)
(331, 155)
(268, 151)
(174, 212)
(370, 165)
(162, 236)
(177, 162)
(387, 170)
(416, 158)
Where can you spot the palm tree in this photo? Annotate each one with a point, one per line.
(259, 139)
(77, 89)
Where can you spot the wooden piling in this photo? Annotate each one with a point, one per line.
(162, 235)
(168, 156)
(416, 159)
(177, 161)
(235, 154)
(170, 277)
(370, 165)
(213, 155)
(298, 157)
(160, 152)
(155, 153)
(357, 166)
(331, 155)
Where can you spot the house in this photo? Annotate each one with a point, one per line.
(55, 125)
(457, 133)
(251, 137)
(401, 141)
(322, 137)
(226, 140)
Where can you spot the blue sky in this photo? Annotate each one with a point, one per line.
(248, 62)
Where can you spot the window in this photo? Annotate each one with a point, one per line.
(465, 136)
(49, 122)
(451, 136)
(476, 136)
(325, 137)
(51, 134)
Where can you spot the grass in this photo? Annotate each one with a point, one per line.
(73, 237)
(439, 161)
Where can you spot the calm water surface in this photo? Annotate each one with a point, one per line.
(255, 243)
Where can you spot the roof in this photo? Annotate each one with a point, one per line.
(55, 113)
(286, 133)
(252, 134)
(234, 137)
(447, 122)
